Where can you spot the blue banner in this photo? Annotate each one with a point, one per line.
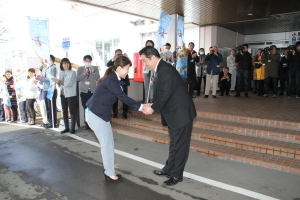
(182, 53)
(39, 34)
(165, 24)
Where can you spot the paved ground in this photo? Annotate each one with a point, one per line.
(280, 108)
(43, 164)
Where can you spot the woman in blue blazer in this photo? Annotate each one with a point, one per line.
(98, 112)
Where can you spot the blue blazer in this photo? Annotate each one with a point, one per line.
(106, 94)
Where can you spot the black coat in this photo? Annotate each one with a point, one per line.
(191, 67)
(171, 97)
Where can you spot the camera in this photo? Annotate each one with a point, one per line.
(267, 50)
(291, 48)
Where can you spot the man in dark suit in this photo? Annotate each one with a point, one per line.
(177, 110)
(125, 83)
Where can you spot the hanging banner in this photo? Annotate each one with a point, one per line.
(182, 53)
(19, 71)
(39, 35)
(164, 27)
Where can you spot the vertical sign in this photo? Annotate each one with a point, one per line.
(182, 54)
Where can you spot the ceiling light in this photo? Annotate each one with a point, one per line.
(250, 14)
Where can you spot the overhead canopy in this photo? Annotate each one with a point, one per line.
(268, 16)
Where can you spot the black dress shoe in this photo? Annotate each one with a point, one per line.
(221, 95)
(72, 131)
(214, 96)
(172, 181)
(246, 95)
(237, 95)
(124, 117)
(119, 180)
(206, 96)
(115, 116)
(160, 173)
(65, 131)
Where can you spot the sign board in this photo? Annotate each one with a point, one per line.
(66, 44)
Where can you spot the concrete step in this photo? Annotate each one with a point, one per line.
(281, 134)
(268, 146)
(218, 151)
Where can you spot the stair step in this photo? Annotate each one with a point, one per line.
(251, 120)
(218, 151)
(258, 144)
(237, 128)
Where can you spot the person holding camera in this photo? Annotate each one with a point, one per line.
(124, 82)
(283, 70)
(294, 71)
(244, 65)
(258, 73)
(271, 59)
(225, 81)
(87, 76)
(213, 70)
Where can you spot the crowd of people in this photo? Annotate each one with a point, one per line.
(242, 72)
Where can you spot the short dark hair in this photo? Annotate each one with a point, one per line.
(31, 70)
(118, 50)
(167, 44)
(150, 42)
(226, 68)
(52, 57)
(65, 60)
(8, 71)
(87, 57)
(149, 52)
(192, 43)
(245, 45)
(233, 50)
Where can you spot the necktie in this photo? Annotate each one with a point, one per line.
(88, 71)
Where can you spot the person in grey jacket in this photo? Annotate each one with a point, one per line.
(68, 95)
(271, 72)
(87, 77)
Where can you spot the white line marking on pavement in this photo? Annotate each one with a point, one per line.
(218, 184)
(195, 177)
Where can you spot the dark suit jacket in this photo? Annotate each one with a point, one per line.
(126, 80)
(191, 68)
(106, 94)
(171, 97)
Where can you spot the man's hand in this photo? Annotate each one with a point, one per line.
(147, 110)
(216, 53)
(194, 55)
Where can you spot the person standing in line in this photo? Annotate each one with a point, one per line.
(283, 71)
(87, 77)
(31, 93)
(191, 69)
(67, 82)
(125, 83)
(98, 112)
(232, 68)
(167, 55)
(271, 72)
(213, 70)
(201, 68)
(3, 98)
(294, 72)
(259, 72)
(11, 112)
(148, 94)
(244, 65)
(177, 110)
(47, 73)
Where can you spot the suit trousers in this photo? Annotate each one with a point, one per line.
(69, 104)
(23, 111)
(214, 80)
(104, 134)
(125, 107)
(148, 91)
(179, 150)
(84, 98)
(51, 112)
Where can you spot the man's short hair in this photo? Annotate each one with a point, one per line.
(192, 43)
(87, 57)
(245, 45)
(226, 68)
(118, 50)
(168, 44)
(149, 52)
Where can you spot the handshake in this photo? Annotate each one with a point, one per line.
(146, 109)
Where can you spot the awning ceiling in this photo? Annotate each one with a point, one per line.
(267, 15)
